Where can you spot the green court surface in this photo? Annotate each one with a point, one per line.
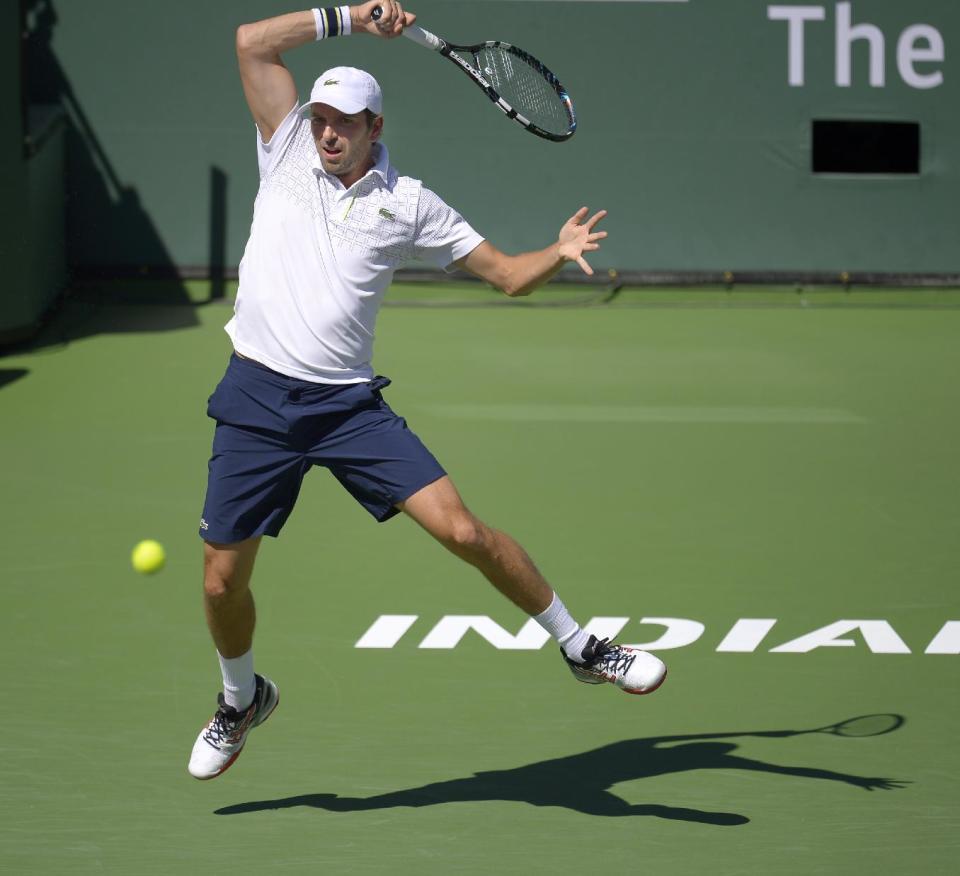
(699, 458)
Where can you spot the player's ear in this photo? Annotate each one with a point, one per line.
(376, 128)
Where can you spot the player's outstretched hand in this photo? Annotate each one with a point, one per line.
(388, 25)
(578, 237)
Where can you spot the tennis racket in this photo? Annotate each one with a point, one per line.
(522, 87)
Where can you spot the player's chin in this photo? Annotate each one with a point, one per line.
(332, 165)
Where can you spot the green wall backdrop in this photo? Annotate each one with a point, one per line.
(690, 133)
(13, 180)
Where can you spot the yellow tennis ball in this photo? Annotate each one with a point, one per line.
(148, 557)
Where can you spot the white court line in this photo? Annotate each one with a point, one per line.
(560, 413)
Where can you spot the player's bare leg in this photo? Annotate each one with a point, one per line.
(227, 599)
(248, 699)
(439, 509)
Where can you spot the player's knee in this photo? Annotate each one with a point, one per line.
(218, 586)
(467, 536)
(222, 575)
(219, 583)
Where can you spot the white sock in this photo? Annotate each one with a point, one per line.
(557, 621)
(239, 685)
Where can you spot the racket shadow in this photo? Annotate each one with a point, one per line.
(581, 782)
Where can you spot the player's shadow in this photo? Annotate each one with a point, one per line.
(11, 375)
(582, 782)
(122, 277)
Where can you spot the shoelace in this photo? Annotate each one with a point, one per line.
(610, 658)
(224, 727)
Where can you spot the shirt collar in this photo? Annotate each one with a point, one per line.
(381, 161)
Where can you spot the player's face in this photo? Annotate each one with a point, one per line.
(344, 141)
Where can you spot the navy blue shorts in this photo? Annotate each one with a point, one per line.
(272, 428)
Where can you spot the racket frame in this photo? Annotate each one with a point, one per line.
(449, 50)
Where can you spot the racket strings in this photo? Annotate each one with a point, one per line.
(868, 725)
(529, 88)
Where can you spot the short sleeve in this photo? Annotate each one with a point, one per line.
(268, 154)
(443, 235)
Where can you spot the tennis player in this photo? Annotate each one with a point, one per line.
(332, 221)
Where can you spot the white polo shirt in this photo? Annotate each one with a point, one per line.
(320, 257)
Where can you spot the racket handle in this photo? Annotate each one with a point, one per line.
(417, 34)
(424, 38)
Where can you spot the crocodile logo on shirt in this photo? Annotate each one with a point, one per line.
(387, 214)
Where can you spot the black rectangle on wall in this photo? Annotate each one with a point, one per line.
(866, 147)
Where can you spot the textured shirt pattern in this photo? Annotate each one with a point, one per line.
(320, 257)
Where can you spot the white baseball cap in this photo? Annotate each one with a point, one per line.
(347, 89)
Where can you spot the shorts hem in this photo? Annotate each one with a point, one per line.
(234, 536)
(393, 510)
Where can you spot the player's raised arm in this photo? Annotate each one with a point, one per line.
(521, 274)
(267, 84)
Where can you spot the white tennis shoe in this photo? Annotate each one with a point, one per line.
(632, 670)
(221, 741)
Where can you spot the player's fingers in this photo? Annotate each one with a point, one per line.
(597, 235)
(584, 266)
(595, 218)
(398, 20)
(387, 14)
(578, 216)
